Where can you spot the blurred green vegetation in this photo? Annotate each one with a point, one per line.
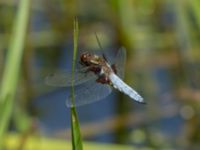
(12, 67)
(162, 42)
(52, 144)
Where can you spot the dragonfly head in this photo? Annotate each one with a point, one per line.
(89, 59)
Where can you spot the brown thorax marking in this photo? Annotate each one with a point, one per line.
(105, 67)
(98, 65)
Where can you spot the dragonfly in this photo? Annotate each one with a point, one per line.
(95, 79)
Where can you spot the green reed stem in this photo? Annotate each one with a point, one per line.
(75, 129)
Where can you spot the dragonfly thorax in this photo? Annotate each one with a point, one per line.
(98, 65)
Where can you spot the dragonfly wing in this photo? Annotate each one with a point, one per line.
(123, 87)
(64, 78)
(120, 61)
(89, 92)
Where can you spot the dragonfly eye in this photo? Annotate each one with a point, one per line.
(84, 57)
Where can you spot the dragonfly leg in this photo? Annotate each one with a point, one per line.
(103, 79)
(95, 69)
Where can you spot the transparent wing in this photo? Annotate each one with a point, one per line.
(64, 78)
(120, 61)
(89, 92)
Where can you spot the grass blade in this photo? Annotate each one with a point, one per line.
(75, 129)
(12, 66)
